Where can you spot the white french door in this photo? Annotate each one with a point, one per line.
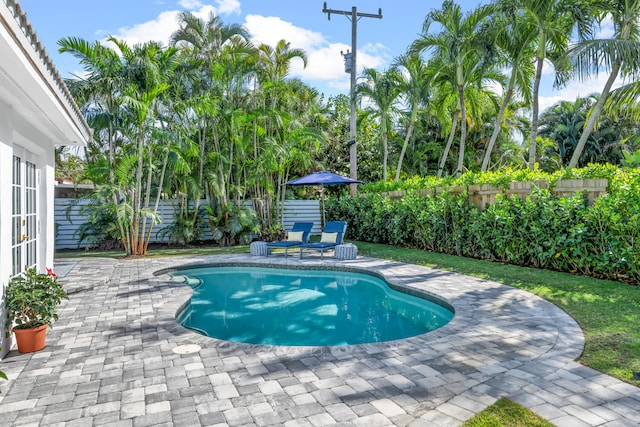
(24, 218)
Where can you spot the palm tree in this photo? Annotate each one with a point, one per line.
(205, 37)
(445, 106)
(461, 42)
(554, 21)
(98, 91)
(514, 41)
(382, 90)
(564, 123)
(446, 102)
(121, 95)
(415, 90)
(275, 63)
(618, 54)
(148, 68)
(208, 42)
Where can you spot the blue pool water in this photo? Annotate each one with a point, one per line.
(274, 306)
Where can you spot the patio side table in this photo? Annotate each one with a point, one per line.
(346, 251)
(259, 249)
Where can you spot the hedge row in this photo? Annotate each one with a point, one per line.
(502, 178)
(543, 231)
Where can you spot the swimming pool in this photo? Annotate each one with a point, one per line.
(303, 307)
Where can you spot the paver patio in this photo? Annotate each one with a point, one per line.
(117, 357)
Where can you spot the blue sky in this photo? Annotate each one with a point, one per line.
(300, 22)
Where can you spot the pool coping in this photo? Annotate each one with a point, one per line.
(568, 343)
(408, 290)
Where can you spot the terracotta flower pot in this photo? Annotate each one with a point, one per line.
(30, 340)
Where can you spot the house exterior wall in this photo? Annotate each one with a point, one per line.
(37, 113)
(6, 166)
(13, 143)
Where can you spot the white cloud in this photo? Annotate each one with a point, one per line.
(190, 4)
(228, 7)
(161, 28)
(271, 29)
(606, 29)
(547, 69)
(577, 89)
(224, 7)
(325, 65)
(324, 61)
(373, 56)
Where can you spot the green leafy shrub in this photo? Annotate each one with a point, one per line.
(183, 231)
(502, 178)
(542, 231)
(32, 300)
(231, 225)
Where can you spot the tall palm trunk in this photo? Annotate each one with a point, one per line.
(498, 124)
(595, 113)
(165, 162)
(126, 238)
(443, 160)
(147, 200)
(137, 196)
(463, 130)
(407, 138)
(201, 160)
(536, 104)
(385, 155)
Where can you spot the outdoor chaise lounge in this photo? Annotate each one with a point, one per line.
(298, 235)
(332, 236)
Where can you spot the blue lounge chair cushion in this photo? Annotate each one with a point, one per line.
(304, 227)
(337, 227)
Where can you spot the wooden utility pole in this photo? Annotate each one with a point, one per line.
(350, 61)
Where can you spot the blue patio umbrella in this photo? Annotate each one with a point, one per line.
(323, 178)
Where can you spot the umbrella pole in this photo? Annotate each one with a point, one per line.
(322, 198)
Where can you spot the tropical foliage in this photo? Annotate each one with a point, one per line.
(542, 231)
(216, 123)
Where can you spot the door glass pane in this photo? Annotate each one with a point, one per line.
(17, 200)
(30, 213)
(24, 216)
(16, 170)
(31, 227)
(16, 217)
(16, 231)
(17, 261)
(31, 254)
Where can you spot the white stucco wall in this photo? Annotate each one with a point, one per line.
(38, 150)
(36, 114)
(6, 166)
(6, 156)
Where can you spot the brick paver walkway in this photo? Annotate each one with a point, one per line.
(117, 357)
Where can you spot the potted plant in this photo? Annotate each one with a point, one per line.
(32, 301)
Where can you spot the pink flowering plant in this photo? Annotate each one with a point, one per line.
(32, 300)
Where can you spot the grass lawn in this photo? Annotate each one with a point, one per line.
(505, 413)
(151, 253)
(608, 312)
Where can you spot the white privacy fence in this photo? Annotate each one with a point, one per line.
(69, 219)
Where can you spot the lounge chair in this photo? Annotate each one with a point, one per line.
(298, 235)
(332, 236)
